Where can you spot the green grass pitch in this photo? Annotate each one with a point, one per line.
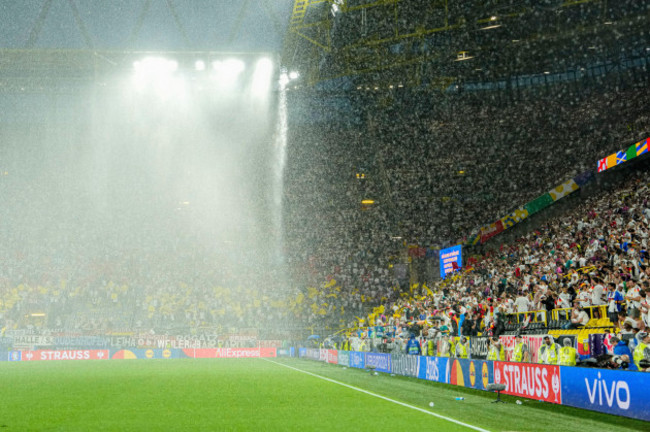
(260, 395)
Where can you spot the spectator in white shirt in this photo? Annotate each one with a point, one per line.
(579, 318)
(598, 294)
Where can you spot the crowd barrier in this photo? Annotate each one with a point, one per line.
(616, 392)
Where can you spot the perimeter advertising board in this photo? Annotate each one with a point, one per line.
(535, 381)
(611, 391)
(44, 355)
(470, 373)
(130, 354)
(230, 352)
(434, 369)
(407, 365)
(357, 360)
(614, 392)
(381, 362)
(312, 353)
(344, 358)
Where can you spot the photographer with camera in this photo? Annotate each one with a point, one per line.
(622, 356)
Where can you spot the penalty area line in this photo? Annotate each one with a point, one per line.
(449, 419)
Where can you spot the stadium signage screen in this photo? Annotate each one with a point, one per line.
(448, 257)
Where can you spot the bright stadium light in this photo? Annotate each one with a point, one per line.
(294, 75)
(228, 71)
(157, 74)
(155, 66)
(199, 65)
(262, 77)
(284, 80)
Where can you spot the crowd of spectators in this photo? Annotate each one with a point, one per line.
(595, 255)
(439, 169)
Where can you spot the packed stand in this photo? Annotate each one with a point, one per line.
(587, 269)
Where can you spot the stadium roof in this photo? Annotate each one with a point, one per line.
(446, 41)
(45, 42)
(144, 25)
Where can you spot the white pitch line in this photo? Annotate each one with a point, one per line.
(382, 397)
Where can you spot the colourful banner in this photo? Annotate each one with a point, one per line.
(622, 156)
(491, 230)
(332, 356)
(535, 381)
(566, 188)
(539, 203)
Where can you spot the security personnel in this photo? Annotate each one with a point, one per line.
(363, 345)
(549, 351)
(445, 347)
(461, 348)
(413, 346)
(568, 354)
(520, 352)
(497, 351)
(430, 348)
(642, 350)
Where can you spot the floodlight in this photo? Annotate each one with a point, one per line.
(228, 71)
(294, 75)
(262, 77)
(157, 74)
(199, 65)
(155, 65)
(284, 80)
